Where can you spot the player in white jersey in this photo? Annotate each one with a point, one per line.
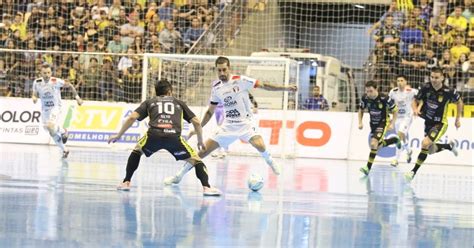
(232, 92)
(403, 95)
(48, 89)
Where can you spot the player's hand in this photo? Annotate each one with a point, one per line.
(457, 123)
(35, 100)
(255, 110)
(416, 112)
(201, 145)
(79, 101)
(292, 88)
(361, 126)
(113, 139)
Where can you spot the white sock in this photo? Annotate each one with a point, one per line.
(267, 156)
(186, 167)
(61, 130)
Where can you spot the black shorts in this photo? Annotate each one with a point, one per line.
(435, 130)
(378, 131)
(174, 144)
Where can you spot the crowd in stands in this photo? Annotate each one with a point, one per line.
(122, 28)
(412, 39)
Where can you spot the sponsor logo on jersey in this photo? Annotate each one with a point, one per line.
(440, 98)
(179, 153)
(236, 89)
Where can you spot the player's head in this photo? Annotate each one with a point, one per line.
(316, 91)
(436, 77)
(401, 81)
(223, 68)
(46, 70)
(163, 88)
(371, 89)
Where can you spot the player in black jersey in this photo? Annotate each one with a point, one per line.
(379, 107)
(434, 98)
(166, 114)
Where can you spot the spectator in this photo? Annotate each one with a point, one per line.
(51, 17)
(388, 34)
(152, 10)
(392, 60)
(91, 34)
(426, 11)
(125, 62)
(446, 62)
(64, 9)
(76, 29)
(193, 33)
(133, 82)
(420, 22)
(459, 48)
(415, 66)
(317, 101)
(86, 57)
(131, 30)
(114, 11)
(170, 39)
(78, 44)
(443, 29)
(98, 9)
(20, 24)
(137, 45)
(61, 24)
(431, 60)
(33, 21)
(109, 82)
(185, 14)
(102, 22)
(412, 34)
(116, 45)
(45, 40)
(159, 25)
(80, 11)
(90, 79)
(166, 10)
(438, 45)
(457, 21)
(122, 18)
(3, 76)
(152, 42)
(394, 11)
(101, 47)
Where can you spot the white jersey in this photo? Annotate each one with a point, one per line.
(234, 96)
(49, 92)
(403, 99)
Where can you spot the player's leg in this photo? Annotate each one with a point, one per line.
(438, 147)
(51, 120)
(401, 126)
(377, 134)
(149, 143)
(257, 142)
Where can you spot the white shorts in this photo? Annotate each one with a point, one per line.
(51, 116)
(402, 125)
(228, 133)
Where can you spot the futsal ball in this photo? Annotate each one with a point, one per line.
(255, 182)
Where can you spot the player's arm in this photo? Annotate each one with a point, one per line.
(394, 111)
(198, 129)
(125, 126)
(74, 92)
(34, 96)
(362, 106)
(209, 113)
(460, 107)
(272, 87)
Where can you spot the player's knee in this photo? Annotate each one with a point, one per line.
(426, 143)
(50, 128)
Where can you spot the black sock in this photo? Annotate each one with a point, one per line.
(421, 158)
(132, 165)
(372, 155)
(440, 147)
(201, 173)
(389, 141)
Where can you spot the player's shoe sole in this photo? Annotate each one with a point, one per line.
(394, 163)
(211, 192)
(125, 186)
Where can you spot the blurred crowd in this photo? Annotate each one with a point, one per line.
(414, 37)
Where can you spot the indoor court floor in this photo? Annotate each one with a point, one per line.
(47, 202)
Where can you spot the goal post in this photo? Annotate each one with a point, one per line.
(192, 75)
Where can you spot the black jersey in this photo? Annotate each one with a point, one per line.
(435, 102)
(166, 114)
(379, 108)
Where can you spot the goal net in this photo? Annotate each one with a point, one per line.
(192, 76)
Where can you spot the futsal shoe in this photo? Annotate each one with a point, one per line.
(394, 163)
(409, 176)
(65, 154)
(125, 186)
(275, 166)
(172, 180)
(454, 150)
(365, 170)
(210, 191)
